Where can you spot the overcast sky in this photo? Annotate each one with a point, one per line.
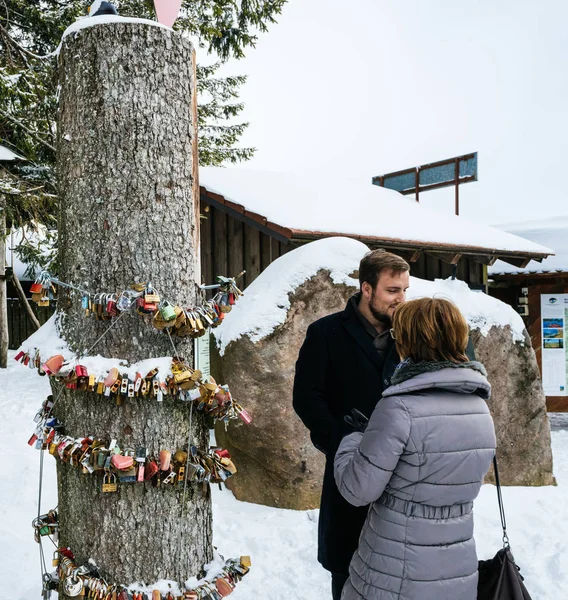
(361, 88)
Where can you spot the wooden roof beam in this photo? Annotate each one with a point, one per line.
(486, 260)
(520, 262)
(451, 258)
(410, 256)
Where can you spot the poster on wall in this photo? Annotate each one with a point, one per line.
(554, 317)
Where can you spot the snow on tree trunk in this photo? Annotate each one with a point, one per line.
(127, 165)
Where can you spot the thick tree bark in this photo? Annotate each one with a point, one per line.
(126, 160)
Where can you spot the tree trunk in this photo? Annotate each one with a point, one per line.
(24, 301)
(126, 153)
(4, 335)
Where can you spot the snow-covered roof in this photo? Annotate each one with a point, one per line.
(7, 155)
(266, 301)
(303, 206)
(552, 232)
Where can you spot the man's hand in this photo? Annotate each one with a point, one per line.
(358, 421)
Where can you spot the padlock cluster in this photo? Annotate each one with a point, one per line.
(128, 465)
(43, 291)
(47, 524)
(136, 465)
(183, 322)
(86, 581)
(188, 384)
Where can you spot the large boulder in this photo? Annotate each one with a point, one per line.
(518, 406)
(258, 346)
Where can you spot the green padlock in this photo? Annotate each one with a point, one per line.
(167, 311)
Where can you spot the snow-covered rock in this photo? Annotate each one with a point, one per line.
(259, 344)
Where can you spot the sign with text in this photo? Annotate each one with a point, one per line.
(554, 315)
(202, 356)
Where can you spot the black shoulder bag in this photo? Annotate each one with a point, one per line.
(500, 577)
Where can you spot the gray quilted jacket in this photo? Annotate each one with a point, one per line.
(420, 464)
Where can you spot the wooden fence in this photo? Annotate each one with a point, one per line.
(20, 326)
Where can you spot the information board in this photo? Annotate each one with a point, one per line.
(554, 316)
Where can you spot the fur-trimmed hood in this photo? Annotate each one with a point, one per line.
(465, 378)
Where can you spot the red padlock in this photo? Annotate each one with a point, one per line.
(32, 440)
(20, 355)
(71, 382)
(66, 552)
(26, 360)
(81, 371)
(224, 588)
(232, 300)
(150, 470)
(36, 288)
(111, 307)
(223, 453)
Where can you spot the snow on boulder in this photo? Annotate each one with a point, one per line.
(258, 346)
(266, 303)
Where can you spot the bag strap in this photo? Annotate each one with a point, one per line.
(500, 500)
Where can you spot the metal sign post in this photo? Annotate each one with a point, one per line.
(432, 176)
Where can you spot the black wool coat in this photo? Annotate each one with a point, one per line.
(338, 369)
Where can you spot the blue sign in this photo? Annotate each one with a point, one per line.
(431, 176)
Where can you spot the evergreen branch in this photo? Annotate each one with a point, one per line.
(28, 131)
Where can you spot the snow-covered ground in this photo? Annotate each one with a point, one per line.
(281, 543)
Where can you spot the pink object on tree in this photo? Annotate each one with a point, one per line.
(167, 11)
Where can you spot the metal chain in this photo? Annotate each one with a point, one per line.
(186, 474)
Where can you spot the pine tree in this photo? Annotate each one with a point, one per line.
(29, 34)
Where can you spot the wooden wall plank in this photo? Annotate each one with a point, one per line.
(265, 251)
(275, 248)
(418, 268)
(251, 254)
(236, 256)
(432, 270)
(444, 269)
(220, 242)
(206, 246)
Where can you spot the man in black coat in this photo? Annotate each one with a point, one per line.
(346, 361)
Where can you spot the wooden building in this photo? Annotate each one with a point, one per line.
(250, 218)
(539, 291)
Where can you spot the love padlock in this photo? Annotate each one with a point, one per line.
(167, 311)
(73, 585)
(109, 483)
(111, 306)
(144, 307)
(82, 377)
(36, 288)
(53, 365)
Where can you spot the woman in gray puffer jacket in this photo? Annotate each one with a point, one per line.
(420, 463)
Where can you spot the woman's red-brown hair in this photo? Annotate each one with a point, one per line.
(430, 329)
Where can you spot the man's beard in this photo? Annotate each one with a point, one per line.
(380, 316)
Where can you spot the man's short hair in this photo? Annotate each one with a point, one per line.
(374, 263)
